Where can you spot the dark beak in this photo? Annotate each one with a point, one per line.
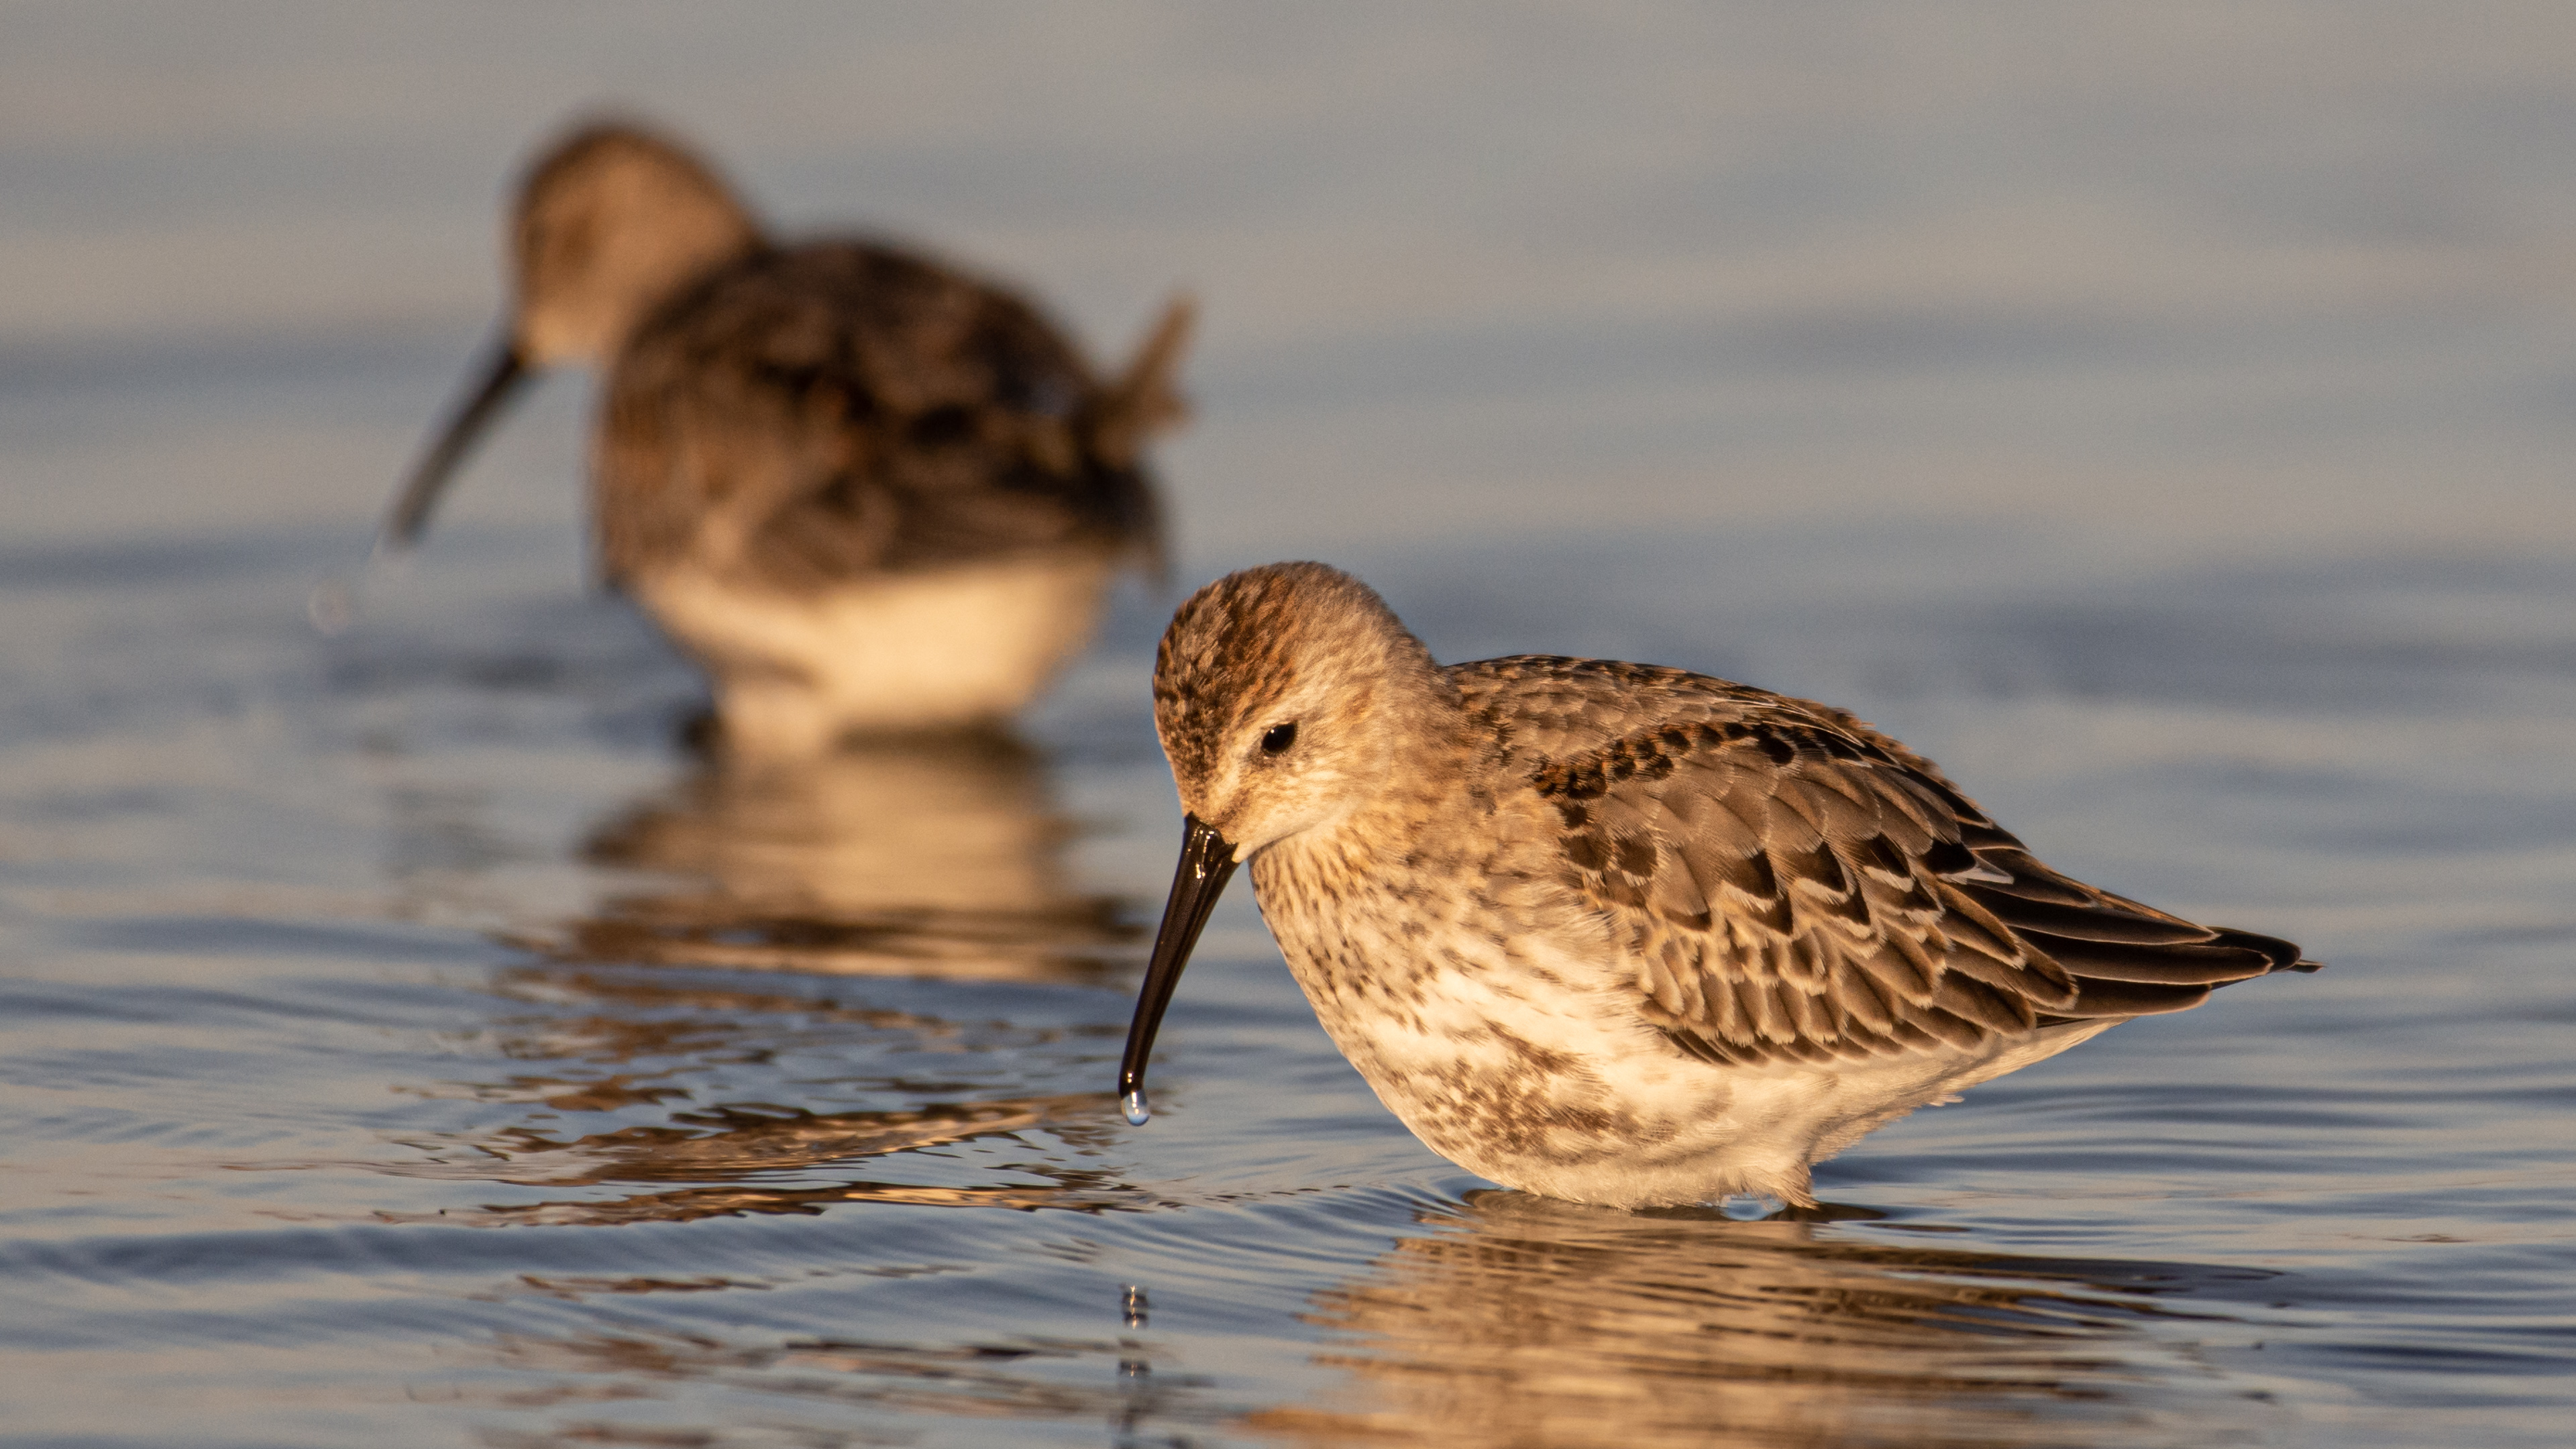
(502, 374)
(1207, 863)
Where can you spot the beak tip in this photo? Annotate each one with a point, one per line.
(1206, 862)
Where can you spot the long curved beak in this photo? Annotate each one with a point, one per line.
(1207, 863)
(502, 372)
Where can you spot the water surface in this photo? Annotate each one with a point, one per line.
(2160, 417)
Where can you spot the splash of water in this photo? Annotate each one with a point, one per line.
(339, 601)
(332, 607)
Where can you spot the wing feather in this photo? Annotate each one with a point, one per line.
(813, 415)
(1795, 886)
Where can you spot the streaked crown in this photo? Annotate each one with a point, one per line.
(1283, 692)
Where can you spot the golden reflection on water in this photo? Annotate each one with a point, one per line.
(1525, 1321)
(934, 858)
(1522, 1322)
(743, 1161)
(926, 857)
(828, 1393)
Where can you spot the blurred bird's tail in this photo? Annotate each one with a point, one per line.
(1143, 401)
(1147, 398)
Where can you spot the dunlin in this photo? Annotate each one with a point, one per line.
(1613, 932)
(863, 490)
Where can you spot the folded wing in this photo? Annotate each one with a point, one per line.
(815, 415)
(1792, 885)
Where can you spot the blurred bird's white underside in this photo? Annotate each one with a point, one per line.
(795, 673)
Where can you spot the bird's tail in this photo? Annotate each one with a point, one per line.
(1146, 398)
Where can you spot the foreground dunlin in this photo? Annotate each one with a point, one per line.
(1619, 933)
(863, 490)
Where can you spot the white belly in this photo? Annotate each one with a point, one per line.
(1562, 1089)
(795, 673)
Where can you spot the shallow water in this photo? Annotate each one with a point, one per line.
(2160, 417)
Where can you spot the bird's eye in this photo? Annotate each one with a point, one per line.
(1277, 739)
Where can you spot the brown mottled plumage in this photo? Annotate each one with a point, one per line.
(862, 489)
(1615, 932)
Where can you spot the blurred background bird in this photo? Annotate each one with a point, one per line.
(866, 492)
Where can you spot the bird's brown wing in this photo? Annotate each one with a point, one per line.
(821, 413)
(1793, 885)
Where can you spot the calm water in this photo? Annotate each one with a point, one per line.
(2161, 416)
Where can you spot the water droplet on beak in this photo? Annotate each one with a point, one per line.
(1133, 1104)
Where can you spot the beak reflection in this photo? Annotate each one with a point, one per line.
(502, 373)
(1207, 863)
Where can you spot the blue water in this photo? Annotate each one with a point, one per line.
(2161, 418)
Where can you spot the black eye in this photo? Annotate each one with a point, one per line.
(1277, 739)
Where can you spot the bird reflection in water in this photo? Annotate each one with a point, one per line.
(738, 1161)
(1517, 1320)
(1521, 1320)
(936, 856)
(667, 1075)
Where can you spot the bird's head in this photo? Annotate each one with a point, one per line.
(1282, 694)
(610, 223)
(1287, 697)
